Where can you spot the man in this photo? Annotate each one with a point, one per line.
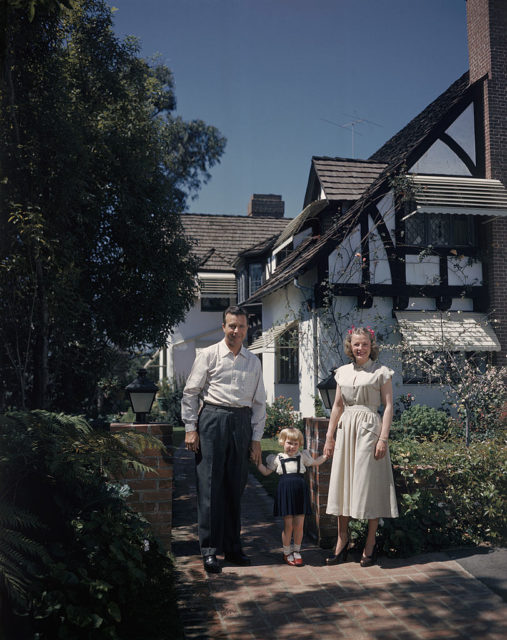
(228, 378)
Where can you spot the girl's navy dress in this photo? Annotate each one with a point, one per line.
(293, 494)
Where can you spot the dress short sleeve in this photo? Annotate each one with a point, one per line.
(385, 374)
(307, 458)
(271, 462)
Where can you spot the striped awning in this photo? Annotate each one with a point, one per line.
(447, 331)
(217, 284)
(469, 196)
(268, 338)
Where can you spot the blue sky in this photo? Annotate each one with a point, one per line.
(270, 74)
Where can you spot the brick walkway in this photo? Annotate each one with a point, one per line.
(423, 597)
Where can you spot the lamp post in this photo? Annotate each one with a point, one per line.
(327, 390)
(141, 394)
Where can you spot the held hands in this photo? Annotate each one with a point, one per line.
(255, 452)
(329, 447)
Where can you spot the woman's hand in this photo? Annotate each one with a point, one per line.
(329, 447)
(380, 449)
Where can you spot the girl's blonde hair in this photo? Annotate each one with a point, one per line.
(361, 331)
(290, 432)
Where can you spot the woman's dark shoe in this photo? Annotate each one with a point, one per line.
(368, 561)
(337, 558)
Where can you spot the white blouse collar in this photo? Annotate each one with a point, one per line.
(364, 367)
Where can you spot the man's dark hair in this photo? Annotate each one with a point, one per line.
(234, 310)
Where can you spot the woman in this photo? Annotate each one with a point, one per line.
(361, 484)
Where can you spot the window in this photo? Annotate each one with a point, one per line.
(287, 357)
(255, 272)
(425, 371)
(215, 304)
(440, 230)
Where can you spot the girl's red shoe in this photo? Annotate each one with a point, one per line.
(289, 559)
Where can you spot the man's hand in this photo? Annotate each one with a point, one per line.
(192, 441)
(255, 452)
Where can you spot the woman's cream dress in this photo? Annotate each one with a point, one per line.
(360, 486)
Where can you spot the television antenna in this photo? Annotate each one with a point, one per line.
(351, 125)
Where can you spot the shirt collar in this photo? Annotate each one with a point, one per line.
(224, 350)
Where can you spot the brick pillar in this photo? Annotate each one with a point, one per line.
(487, 52)
(320, 526)
(153, 492)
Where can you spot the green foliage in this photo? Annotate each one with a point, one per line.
(279, 415)
(96, 170)
(169, 400)
(420, 421)
(448, 494)
(97, 572)
(318, 407)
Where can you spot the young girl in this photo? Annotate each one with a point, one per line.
(292, 496)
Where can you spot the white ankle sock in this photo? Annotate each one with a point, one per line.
(287, 550)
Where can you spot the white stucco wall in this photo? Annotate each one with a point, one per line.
(345, 263)
(422, 269)
(464, 271)
(200, 329)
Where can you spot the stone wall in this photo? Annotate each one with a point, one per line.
(153, 491)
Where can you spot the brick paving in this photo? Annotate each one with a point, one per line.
(427, 597)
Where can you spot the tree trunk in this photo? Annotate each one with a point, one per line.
(41, 369)
(467, 425)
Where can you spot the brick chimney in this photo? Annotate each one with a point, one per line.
(487, 53)
(266, 205)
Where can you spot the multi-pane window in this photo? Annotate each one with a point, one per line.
(431, 367)
(255, 272)
(287, 357)
(440, 230)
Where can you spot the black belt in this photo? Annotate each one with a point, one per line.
(225, 407)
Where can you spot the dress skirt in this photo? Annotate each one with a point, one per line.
(360, 486)
(292, 496)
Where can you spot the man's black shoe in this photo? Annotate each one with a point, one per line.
(211, 564)
(239, 558)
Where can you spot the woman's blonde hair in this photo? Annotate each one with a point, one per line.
(361, 331)
(290, 432)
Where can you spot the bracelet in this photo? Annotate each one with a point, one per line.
(384, 439)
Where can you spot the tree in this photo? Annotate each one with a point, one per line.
(95, 170)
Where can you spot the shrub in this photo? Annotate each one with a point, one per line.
(94, 565)
(169, 400)
(448, 494)
(419, 421)
(279, 415)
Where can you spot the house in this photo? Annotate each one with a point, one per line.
(412, 237)
(232, 252)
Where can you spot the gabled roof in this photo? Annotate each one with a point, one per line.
(345, 179)
(394, 153)
(218, 239)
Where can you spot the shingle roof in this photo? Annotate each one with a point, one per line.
(394, 154)
(345, 179)
(218, 239)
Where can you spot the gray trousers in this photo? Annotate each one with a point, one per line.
(221, 471)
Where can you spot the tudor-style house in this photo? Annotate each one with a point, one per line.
(232, 252)
(411, 241)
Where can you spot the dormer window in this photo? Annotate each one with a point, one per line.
(255, 277)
